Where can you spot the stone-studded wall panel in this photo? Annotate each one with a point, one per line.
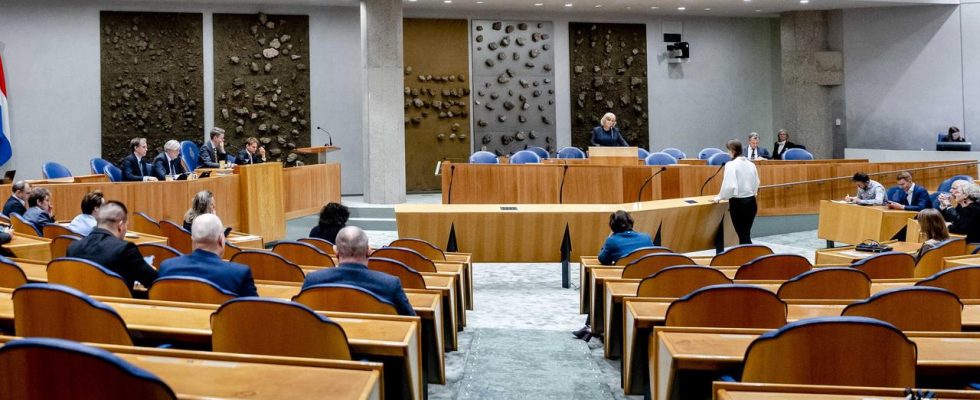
(152, 80)
(262, 82)
(609, 74)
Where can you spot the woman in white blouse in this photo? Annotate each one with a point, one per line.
(739, 187)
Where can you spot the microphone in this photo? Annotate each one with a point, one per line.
(561, 187)
(701, 192)
(329, 138)
(452, 174)
(639, 194)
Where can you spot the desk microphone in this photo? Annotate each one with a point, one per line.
(452, 174)
(561, 187)
(701, 192)
(329, 138)
(639, 194)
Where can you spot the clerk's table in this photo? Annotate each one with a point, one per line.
(853, 224)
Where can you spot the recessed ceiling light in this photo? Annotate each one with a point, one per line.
(598, 6)
(568, 4)
(538, 4)
(758, 10)
(804, 1)
(447, 1)
(654, 8)
(747, 1)
(682, 8)
(707, 9)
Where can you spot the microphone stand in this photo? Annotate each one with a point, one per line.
(701, 192)
(561, 187)
(452, 174)
(639, 194)
(329, 138)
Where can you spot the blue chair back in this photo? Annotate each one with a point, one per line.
(53, 170)
(941, 136)
(719, 159)
(797, 154)
(676, 153)
(642, 153)
(189, 151)
(708, 152)
(947, 185)
(571, 152)
(660, 159)
(97, 165)
(541, 152)
(934, 199)
(113, 172)
(895, 194)
(20, 218)
(484, 157)
(525, 157)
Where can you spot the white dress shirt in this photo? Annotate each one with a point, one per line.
(779, 147)
(753, 153)
(741, 180)
(82, 224)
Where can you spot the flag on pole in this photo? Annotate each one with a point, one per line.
(5, 149)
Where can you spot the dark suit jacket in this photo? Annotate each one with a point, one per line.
(233, 277)
(967, 222)
(326, 232)
(763, 152)
(13, 205)
(778, 155)
(133, 170)
(920, 199)
(613, 138)
(620, 244)
(243, 158)
(161, 169)
(383, 285)
(210, 156)
(117, 255)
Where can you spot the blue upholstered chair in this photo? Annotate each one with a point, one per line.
(708, 152)
(642, 153)
(894, 193)
(51, 310)
(571, 152)
(660, 159)
(797, 155)
(189, 151)
(53, 170)
(525, 157)
(97, 165)
(947, 185)
(484, 157)
(540, 151)
(677, 153)
(941, 136)
(934, 199)
(113, 172)
(61, 369)
(719, 159)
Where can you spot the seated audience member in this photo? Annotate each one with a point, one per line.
(755, 152)
(933, 230)
(252, 153)
(203, 204)
(333, 218)
(954, 135)
(17, 203)
(870, 192)
(213, 151)
(623, 239)
(41, 211)
(208, 240)
(967, 220)
(782, 144)
(947, 205)
(352, 249)
(135, 168)
(916, 198)
(168, 162)
(106, 246)
(85, 222)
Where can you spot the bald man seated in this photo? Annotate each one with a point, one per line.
(208, 240)
(352, 249)
(106, 246)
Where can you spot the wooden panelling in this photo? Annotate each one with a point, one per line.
(261, 193)
(310, 187)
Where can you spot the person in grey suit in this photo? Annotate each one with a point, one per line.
(208, 240)
(352, 249)
(213, 150)
(756, 152)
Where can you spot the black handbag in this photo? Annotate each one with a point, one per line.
(872, 246)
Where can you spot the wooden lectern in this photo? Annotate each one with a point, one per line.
(613, 155)
(262, 207)
(320, 151)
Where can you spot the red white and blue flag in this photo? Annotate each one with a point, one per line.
(5, 149)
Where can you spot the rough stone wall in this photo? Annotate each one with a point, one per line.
(513, 85)
(262, 82)
(152, 80)
(609, 74)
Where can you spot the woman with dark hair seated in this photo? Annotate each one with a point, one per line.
(954, 135)
(933, 230)
(333, 218)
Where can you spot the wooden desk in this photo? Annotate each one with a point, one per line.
(31, 247)
(246, 241)
(847, 255)
(392, 340)
(320, 151)
(853, 224)
(310, 187)
(771, 391)
(228, 376)
(534, 232)
(675, 350)
(261, 193)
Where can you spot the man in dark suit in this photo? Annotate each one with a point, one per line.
(213, 150)
(252, 153)
(756, 152)
(207, 236)
(107, 247)
(352, 249)
(782, 144)
(41, 211)
(915, 197)
(134, 167)
(168, 162)
(17, 203)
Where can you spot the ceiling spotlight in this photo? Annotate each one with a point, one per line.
(681, 8)
(598, 6)
(707, 9)
(568, 4)
(447, 1)
(804, 1)
(654, 8)
(538, 4)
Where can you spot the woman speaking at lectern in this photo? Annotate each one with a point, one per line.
(606, 134)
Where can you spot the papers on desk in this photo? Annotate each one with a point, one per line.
(131, 235)
(839, 202)
(243, 238)
(856, 254)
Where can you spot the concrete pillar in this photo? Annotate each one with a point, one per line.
(809, 71)
(383, 114)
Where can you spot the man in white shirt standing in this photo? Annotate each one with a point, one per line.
(755, 152)
(739, 187)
